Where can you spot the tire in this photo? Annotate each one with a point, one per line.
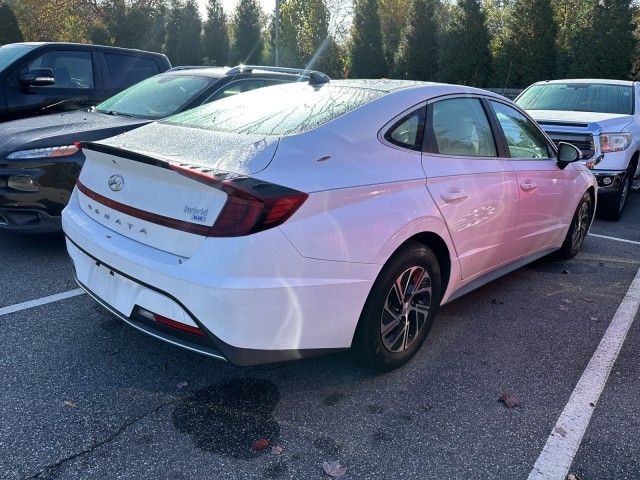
(391, 331)
(612, 208)
(578, 228)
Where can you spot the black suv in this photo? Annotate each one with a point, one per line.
(40, 161)
(41, 78)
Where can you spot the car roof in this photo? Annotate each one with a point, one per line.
(211, 72)
(103, 47)
(235, 72)
(600, 81)
(424, 88)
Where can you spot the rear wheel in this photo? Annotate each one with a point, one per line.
(578, 228)
(400, 308)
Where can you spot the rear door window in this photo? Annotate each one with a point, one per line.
(70, 69)
(126, 70)
(460, 127)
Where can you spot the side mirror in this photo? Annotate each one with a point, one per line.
(567, 154)
(40, 77)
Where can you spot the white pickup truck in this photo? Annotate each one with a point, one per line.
(602, 119)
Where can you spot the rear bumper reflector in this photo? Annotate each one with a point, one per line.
(170, 323)
(168, 222)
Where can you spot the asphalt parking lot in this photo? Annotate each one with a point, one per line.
(84, 396)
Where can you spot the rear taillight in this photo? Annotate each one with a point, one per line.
(252, 205)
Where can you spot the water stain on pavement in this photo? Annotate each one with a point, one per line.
(276, 470)
(333, 399)
(227, 419)
(327, 445)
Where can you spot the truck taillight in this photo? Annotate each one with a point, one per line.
(252, 205)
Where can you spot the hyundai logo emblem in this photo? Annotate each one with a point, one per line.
(116, 182)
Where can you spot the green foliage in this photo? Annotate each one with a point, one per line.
(247, 32)
(528, 51)
(393, 17)
(183, 29)
(465, 55)
(55, 20)
(613, 44)
(130, 25)
(477, 42)
(366, 53)
(417, 56)
(574, 19)
(215, 35)
(9, 29)
(305, 40)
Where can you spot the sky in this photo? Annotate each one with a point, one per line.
(229, 5)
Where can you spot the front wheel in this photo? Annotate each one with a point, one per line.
(399, 311)
(578, 228)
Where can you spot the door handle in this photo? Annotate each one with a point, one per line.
(528, 186)
(453, 196)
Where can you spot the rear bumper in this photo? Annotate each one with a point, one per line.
(24, 220)
(37, 212)
(255, 298)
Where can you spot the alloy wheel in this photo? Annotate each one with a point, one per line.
(406, 309)
(581, 226)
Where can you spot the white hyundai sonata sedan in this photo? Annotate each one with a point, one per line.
(304, 219)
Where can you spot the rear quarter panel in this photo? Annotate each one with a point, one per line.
(365, 198)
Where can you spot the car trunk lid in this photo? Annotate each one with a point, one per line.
(143, 197)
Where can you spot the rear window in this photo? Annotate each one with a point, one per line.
(125, 70)
(277, 110)
(579, 97)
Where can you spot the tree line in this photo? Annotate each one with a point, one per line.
(499, 43)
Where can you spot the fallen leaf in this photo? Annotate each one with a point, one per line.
(334, 469)
(277, 450)
(565, 272)
(70, 403)
(566, 300)
(510, 400)
(560, 431)
(181, 385)
(592, 405)
(594, 319)
(260, 445)
(497, 302)
(572, 476)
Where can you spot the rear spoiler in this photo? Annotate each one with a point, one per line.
(128, 154)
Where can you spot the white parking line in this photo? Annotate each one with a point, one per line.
(563, 443)
(40, 301)
(614, 238)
